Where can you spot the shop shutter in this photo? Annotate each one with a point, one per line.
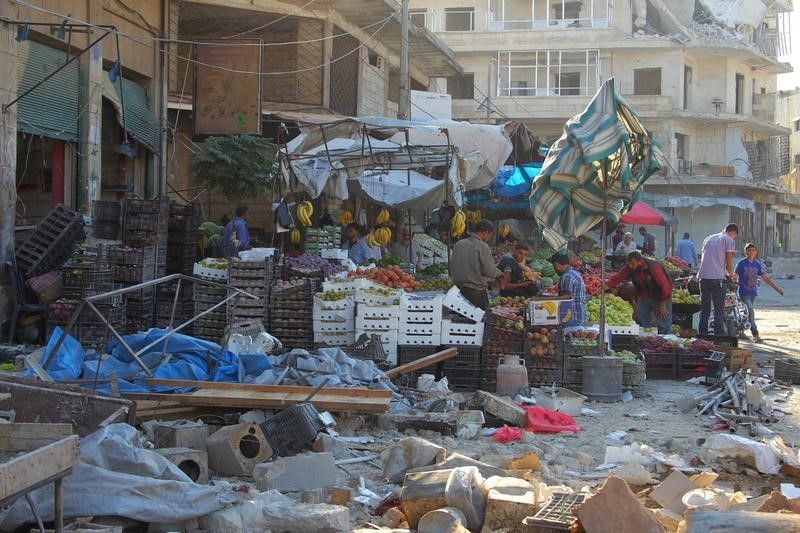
(140, 122)
(50, 110)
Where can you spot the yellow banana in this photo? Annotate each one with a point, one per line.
(295, 236)
(383, 217)
(504, 230)
(346, 217)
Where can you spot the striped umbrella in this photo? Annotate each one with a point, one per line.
(595, 171)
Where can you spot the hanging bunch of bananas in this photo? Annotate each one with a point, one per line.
(370, 240)
(383, 217)
(458, 224)
(346, 217)
(383, 236)
(295, 236)
(474, 215)
(504, 230)
(304, 212)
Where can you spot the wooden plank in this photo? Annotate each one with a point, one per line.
(21, 473)
(741, 522)
(38, 401)
(422, 363)
(26, 437)
(271, 389)
(263, 400)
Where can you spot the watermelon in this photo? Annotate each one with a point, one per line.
(209, 229)
(214, 241)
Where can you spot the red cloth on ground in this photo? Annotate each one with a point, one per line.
(547, 421)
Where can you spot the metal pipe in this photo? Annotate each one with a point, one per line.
(64, 333)
(121, 340)
(404, 103)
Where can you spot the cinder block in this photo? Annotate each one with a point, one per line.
(193, 463)
(181, 434)
(503, 409)
(509, 501)
(299, 472)
(235, 450)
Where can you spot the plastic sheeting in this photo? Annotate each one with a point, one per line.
(405, 189)
(697, 202)
(116, 477)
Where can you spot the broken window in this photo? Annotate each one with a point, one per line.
(417, 16)
(647, 81)
(739, 94)
(461, 87)
(548, 73)
(459, 19)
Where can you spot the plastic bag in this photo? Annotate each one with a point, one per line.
(507, 434)
(547, 421)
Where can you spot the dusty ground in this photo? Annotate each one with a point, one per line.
(572, 460)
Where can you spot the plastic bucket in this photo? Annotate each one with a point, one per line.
(602, 378)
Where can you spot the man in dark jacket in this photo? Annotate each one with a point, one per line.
(653, 291)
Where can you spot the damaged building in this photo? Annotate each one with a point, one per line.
(702, 74)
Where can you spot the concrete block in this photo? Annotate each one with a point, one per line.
(227, 520)
(503, 408)
(235, 450)
(318, 495)
(327, 443)
(293, 517)
(193, 463)
(340, 495)
(299, 472)
(172, 527)
(508, 502)
(181, 434)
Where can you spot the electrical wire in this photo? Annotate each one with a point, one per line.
(75, 20)
(268, 24)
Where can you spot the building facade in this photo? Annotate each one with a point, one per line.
(702, 74)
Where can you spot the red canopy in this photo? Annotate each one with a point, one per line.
(641, 213)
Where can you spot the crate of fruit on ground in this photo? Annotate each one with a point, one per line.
(582, 342)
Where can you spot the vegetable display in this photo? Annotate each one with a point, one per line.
(314, 262)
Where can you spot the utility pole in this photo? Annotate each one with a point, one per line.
(489, 91)
(404, 105)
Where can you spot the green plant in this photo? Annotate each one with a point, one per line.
(238, 166)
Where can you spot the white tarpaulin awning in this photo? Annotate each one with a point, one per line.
(402, 188)
(662, 200)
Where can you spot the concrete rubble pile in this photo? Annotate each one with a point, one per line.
(438, 465)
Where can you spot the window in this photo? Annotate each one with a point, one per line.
(548, 73)
(797, 159)
(680, 146)
(687, 86)
(459, 19)
(461, 87)
(797, 124)
(373, 58)
(417, 16)
(739, 94)
(647, 81)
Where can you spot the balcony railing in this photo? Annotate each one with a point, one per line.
(547, 24)
(461, 20)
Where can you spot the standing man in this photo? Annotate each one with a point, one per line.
(618, 236)
(648, 242)
(749, 270)
(403, 247)
(571, 284)
(716, 265)
(685, 249)
(513, 281)
(357, 250)
(472, 265)
(653, 291)
(625, 246)
(237, 236)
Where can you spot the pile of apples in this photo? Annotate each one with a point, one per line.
(542, 342)
(583, 338)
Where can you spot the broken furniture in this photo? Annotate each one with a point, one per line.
(34, 455)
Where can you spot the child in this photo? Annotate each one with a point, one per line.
(749, 269)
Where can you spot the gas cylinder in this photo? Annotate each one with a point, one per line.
(512, 375)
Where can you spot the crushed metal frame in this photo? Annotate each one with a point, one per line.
(89, 301)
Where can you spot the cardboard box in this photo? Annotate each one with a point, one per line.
(736, 358)
(551, 310)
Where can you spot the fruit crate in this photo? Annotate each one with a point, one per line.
(139, 239)
(106, 211)
(720, 340)
(134, 274)
(634, 377)
(292, 428)
(134, 205)
(51, 243)
(125, 255)
(533, 340)
(579, 349)
(690, 365)
(141, 222)
(76, 279)
(625, 342)
(661, 365)
(464, 378)
(500, 347)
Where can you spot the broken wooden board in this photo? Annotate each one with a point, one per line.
(249, 396)
(422, 363)
(37, 465)
(23, 437)
(41, 402)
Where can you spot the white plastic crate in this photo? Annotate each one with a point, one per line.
(346, 285)
(421, 317)
(334, 327)
(333, 253)
(376, 324)
(420, 329)
(335, 339)
(379, 311)
(335, 315)
(623, 330)
(213, 274)
(454, 301)
(345, 303)
(422, 302)
(462, 334)
(409, 339)
(369, 298)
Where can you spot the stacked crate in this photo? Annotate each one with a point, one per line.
(318, 239)
(145, 223)
(501, 338)
(251, 277)
(420, 319)
(463, 326)
(51, 243)
(378, 313)
(335, 313)
(183, 224)
(106, 219)
(544, 355)
(291, 316)
(133, 266)
(211, 326)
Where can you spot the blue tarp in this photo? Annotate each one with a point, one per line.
(509, 190)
